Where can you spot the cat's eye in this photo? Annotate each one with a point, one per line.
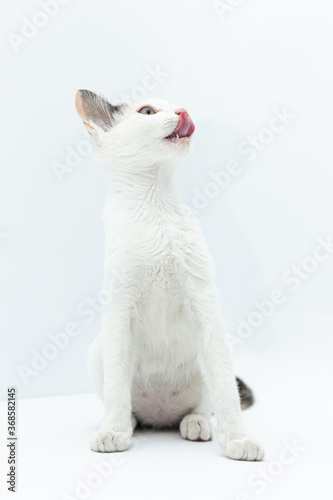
(147, 110)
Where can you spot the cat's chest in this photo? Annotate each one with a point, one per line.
(162, 240)
(161, 323)
(167, 266)
(168, 281)
(166, 257)
(163, 259)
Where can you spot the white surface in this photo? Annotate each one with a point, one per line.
(231, 74)
(291, 381)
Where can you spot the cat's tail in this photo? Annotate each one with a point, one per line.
(245, 394)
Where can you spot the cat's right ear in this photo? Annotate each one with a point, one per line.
(96, 113)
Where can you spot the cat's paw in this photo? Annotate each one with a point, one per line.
(108, 441)
(244, 449)
(196, 428)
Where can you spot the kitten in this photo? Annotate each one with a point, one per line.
(162, 357)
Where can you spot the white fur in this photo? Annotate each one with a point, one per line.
(162, 356)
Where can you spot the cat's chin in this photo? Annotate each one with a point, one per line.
(178, 140)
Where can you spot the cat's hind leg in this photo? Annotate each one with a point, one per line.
(134, 421)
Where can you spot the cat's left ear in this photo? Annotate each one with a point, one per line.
(95, 112)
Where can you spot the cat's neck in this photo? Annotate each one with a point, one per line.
(144, 187)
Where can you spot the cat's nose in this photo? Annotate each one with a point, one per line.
(180, 110)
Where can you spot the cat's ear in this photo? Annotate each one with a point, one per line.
(95, 112)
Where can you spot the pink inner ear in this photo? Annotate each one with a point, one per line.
(81, 107)
(82, 110)
(94, 108)
(91, 107)
(86, 124)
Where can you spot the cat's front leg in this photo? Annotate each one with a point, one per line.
(217, 368)
(116, 429)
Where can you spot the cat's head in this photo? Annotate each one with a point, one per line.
(147, 131)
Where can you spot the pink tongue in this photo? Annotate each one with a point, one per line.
(185, 127)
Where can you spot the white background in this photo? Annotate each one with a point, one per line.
(231, 71)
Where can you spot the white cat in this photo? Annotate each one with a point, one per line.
(162, 357)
